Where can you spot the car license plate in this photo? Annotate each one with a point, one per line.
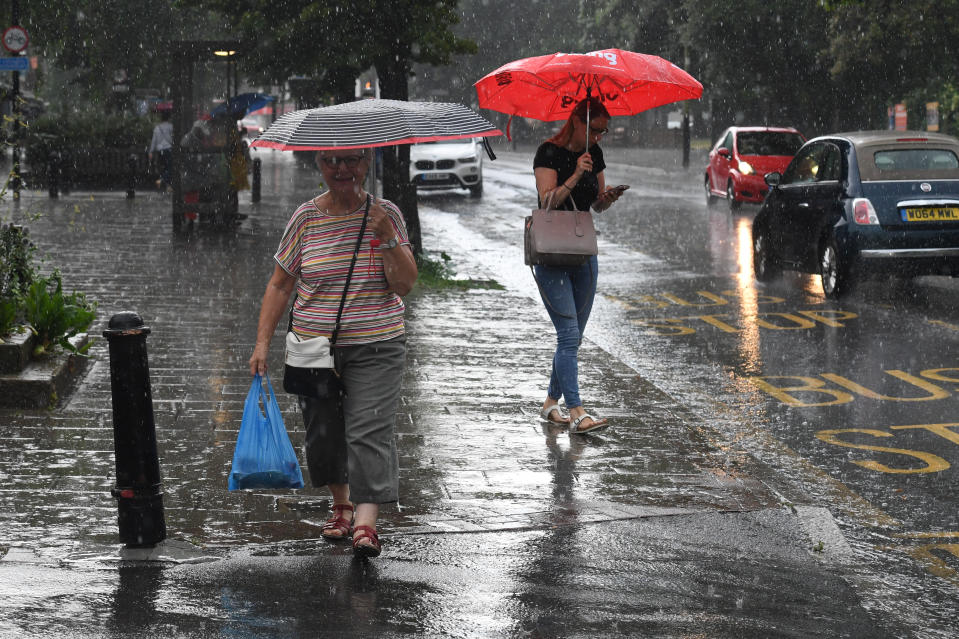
(931, 214)
(434, 176)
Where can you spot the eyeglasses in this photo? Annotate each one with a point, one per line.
(351, 161)
(596, 131)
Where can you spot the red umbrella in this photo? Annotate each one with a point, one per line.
(547, 87)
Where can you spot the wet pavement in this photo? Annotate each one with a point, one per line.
(506, 527)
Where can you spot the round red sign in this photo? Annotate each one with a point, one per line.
(15, 39)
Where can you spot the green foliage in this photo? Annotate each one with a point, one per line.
(54, 317)
(501, 34)
(307, 39)
(85, 132)
(431, 270)
(949, 108)
(91, 42)
(16, 273)
(16, 260)
(822, 66)
(9, 309)
(438, 274)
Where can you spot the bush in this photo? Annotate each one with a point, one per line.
(16, 273)
(54, 317)
(91, 134)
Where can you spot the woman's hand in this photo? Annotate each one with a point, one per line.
(583, 164)
(379, 222)
(258, 358)
(607, 197)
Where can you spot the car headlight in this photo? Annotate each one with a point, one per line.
(470, 160)
(745, 168)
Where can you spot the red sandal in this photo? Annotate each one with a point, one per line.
(371, 549)
(338, 526)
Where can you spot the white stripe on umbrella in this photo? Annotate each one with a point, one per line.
(372, 123)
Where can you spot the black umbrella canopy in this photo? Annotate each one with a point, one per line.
(373, 123)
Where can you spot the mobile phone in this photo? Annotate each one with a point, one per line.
(620, 188)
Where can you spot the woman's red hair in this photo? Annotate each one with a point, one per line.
(596, 109)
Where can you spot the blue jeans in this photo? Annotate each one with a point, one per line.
(568, 293)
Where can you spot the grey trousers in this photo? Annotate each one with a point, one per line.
(357, 446)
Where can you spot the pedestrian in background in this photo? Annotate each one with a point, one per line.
(238, 155)
(569, 171)
(355, 456)
(161, 146)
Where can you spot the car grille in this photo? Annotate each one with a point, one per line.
(429, 165)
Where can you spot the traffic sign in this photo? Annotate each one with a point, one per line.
(15, 39)
(14, 64)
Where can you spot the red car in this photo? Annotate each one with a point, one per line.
(742, 156)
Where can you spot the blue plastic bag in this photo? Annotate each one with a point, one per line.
(264, 456)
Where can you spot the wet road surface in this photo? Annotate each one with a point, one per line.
(853, 402)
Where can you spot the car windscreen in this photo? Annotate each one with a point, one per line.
(909, 163)
(768, 143)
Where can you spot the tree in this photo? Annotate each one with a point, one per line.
(502, 34)
(335, 41)
(884, 50)
(769, 62)
(94, 43)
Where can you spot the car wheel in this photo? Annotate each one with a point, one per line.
(836, 277)
(731, 197)
(710, 198)
(765, 264)
(476, 190)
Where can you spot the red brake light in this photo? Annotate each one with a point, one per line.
(863, 211)
(912, 139)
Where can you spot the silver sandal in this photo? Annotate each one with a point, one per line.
(598, 424)
(546, 412)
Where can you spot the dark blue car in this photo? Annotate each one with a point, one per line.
(854, 205)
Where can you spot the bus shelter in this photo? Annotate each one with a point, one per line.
(203, 143)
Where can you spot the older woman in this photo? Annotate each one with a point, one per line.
(354, 456)
(569, 171)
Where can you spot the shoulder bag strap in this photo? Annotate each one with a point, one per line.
(349, 276)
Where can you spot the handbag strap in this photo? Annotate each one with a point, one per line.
(349, 276)
(549, 200)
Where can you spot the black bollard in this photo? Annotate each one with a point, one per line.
(132, 185)
(139, 500)
(54, 174)
(255, 188)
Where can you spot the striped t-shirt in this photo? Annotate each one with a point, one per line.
(316, 249)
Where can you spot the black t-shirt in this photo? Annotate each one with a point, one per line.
(563, 161)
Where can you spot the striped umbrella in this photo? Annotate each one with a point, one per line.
(372, 123)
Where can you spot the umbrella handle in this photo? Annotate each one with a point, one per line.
(489, 149)
(588, 91)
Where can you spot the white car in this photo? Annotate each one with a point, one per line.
(448, 164)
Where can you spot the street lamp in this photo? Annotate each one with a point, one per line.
(228, 54)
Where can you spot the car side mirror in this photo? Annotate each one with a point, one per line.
(773, 179)
(724, 152)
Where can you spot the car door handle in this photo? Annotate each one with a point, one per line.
(804, 205)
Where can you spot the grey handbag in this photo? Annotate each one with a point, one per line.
(559, 238)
